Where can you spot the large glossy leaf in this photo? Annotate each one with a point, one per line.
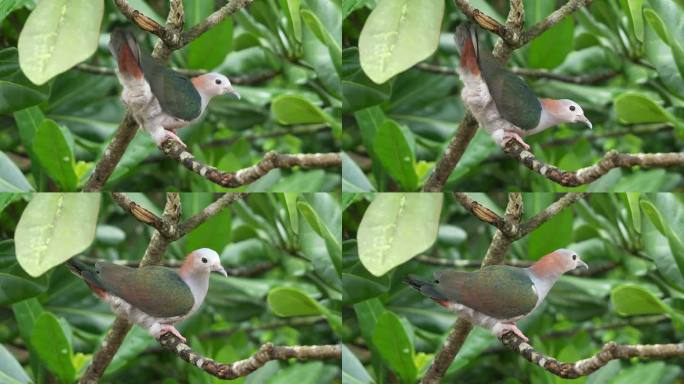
(633, 107)
(632, 299)
(53, 228)
(53, 150)
(53, 347)
(209, 50)
(397, 35)
(388, 235)
(295, 109)
(393, 341)
(16, 91)
(11, 178)
(674, 240)
(286, 301)
(58, 35)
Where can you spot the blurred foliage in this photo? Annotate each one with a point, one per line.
(632, 243)
(54, 133)
(53, 323)
(639, 107)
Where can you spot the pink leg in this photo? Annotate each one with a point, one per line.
(508, 136)
(172, 135)
(502, 328)
(165, 328)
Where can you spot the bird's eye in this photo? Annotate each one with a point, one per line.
(204, 260)
(436, 281)
(574, 257)
(572, 107)
(218, 81)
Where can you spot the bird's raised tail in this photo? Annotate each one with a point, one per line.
(427, 288)
(126, 50)
(468, 44)
(88, 274)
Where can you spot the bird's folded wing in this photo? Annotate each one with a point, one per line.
(157, 291)
(176, 94)
(500, 292)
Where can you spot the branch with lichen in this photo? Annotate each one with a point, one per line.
(266, 353)
(610, 351)
(269, 162)
(610, 160)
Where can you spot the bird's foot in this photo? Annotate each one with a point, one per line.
(508, 136)
(168, 328)
(502, 328)
(171, 135)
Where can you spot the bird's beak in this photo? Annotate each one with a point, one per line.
(582, 264)
(219, 269)
(233, 92)
(582, 119)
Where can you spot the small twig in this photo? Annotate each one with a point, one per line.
(266, 353)
(586, 175)
(548, 213)
(610, 351)
(271, 160)
(480, 211)
(549, 21)
(138, 212)
(215, 18)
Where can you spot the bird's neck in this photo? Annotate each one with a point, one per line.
(544, 275)
(198, 282)
(547, 118)
(200, 84)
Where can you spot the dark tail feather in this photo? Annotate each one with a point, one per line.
(88, 274)
(126, 50)
(425, 287)
(468, 44)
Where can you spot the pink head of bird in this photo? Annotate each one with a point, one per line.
(558, 262)
(214, 84)
(565, 111)
(203, 260)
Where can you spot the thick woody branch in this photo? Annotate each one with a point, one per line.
(482, 19)
(502, 240)
(266, 353)
(138, 18)
(271, 160)
(610, 160)
(610, 351)
(214, 19)
(209, 211)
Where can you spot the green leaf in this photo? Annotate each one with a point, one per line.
(53, 347)
(6, 7)
(210, 49)
(293, 17)
(332, 242)
(53, 228)
(636, 21)
(348, 6)
(16, 285)
(389, 235)
(659, 53)
(319, 30)
(295, 109)
(553, 234)
(551, 48)
(632, 299)
(55, 154)
(317, 53)
(11, 178)
(392, 339)
(634, 107)
(358, 91)
(360, 285)
(633, 206)
(675, 242)
(353, 178)
(353, 371)
(11, 371)
(392, 148)
(18, 92)
(214, 233)
(57, 35)
(290, 199)
(287, 302)
(399, 34)
(663, 31)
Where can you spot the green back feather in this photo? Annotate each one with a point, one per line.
(175, 92)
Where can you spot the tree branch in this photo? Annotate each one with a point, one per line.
(480, 211)
(549, 21)
(549, 212)
(586, 175)
(209, 211)
(610, 351)
(215, 18)
(271, 160)
(266, 353)
(141, 214)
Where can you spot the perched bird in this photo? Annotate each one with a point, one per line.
(161, 99)
(497, 296)
(501, 101)
(153, 297)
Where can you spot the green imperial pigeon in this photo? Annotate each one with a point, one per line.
(153, 297)
(161, 99)
(497, 296)
(501, 101)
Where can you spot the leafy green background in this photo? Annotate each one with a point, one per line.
(638, 109)
(632, 243)
(51, 325)
(54, 133)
